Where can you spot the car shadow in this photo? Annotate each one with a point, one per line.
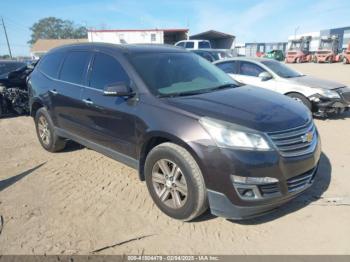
(12, 180)
(321, 184)
(71, 146)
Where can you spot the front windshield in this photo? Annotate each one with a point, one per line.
(295, 46)
(171, 74)
(326, 45)
(281, 70)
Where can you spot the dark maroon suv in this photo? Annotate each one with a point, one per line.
(196, 137)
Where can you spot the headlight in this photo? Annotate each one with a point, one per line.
(328, 93)
(226, 135)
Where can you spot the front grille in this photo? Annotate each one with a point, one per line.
(269, 190)
(302, 181)
(296, 141)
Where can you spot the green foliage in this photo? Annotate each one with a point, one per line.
(55, 28)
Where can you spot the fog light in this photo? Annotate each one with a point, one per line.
(248, 193)
(253, 180)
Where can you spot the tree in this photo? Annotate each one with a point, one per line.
(55, 28)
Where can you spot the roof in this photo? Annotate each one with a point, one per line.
(44, 45)
(211, 34)
(185, 30)
(128, 48)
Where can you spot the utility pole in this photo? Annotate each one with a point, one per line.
(7, 39)
(295, 32)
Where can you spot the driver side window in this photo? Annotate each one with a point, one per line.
(106, 70)
(250, 69)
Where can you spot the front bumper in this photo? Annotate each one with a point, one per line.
(219, 164)
(323, 106)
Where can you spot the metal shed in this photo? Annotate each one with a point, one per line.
(217, 39)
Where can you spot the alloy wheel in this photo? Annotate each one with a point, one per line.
(169, 183)
(44, 131)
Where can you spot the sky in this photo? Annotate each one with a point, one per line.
(249, 20)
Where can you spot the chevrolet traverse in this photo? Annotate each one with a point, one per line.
(197, 138)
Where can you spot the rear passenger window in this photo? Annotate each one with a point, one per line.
(250, 69)
(106, 70)
(228, 67)
(51, 63)
(189, 45)
(74, 67)
(203, 44)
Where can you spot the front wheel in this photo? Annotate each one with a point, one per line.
(175, 182)
(302, 99)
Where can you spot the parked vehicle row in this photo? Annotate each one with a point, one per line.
(197, 137)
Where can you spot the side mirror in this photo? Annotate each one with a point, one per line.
(264, 76)
(117, 89)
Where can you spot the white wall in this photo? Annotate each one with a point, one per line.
(130, 37)
(315, 40)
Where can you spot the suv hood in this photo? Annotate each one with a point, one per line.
(251, 107)
(314, 82)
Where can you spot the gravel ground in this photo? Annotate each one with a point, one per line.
(79, 201)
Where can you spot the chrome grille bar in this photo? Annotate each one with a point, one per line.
(293, 142)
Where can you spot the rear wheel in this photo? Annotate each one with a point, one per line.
(46, 132)
(302, 99)
(175, 182)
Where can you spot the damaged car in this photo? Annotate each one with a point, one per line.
(13, 87)
(322, 97)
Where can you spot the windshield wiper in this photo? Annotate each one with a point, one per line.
(197, 92)
(224, 86)
(189, 93)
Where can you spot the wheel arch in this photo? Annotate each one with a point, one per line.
(35, 105)
(156, 138)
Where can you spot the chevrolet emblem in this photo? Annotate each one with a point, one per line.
(307, 137)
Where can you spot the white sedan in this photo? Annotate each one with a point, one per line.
(320, 96)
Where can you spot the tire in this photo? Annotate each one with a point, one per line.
(188, 186)
(298, 60)
(300, 98)
(46, 132)
(345, 61)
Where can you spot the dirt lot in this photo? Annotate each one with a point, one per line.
(78, 201)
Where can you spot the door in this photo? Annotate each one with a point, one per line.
(248, 73)
(109, 119)
(67, 95)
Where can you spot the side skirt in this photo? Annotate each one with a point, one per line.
(131, 162)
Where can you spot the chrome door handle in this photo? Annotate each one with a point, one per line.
(54, 92)
(88, 101)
